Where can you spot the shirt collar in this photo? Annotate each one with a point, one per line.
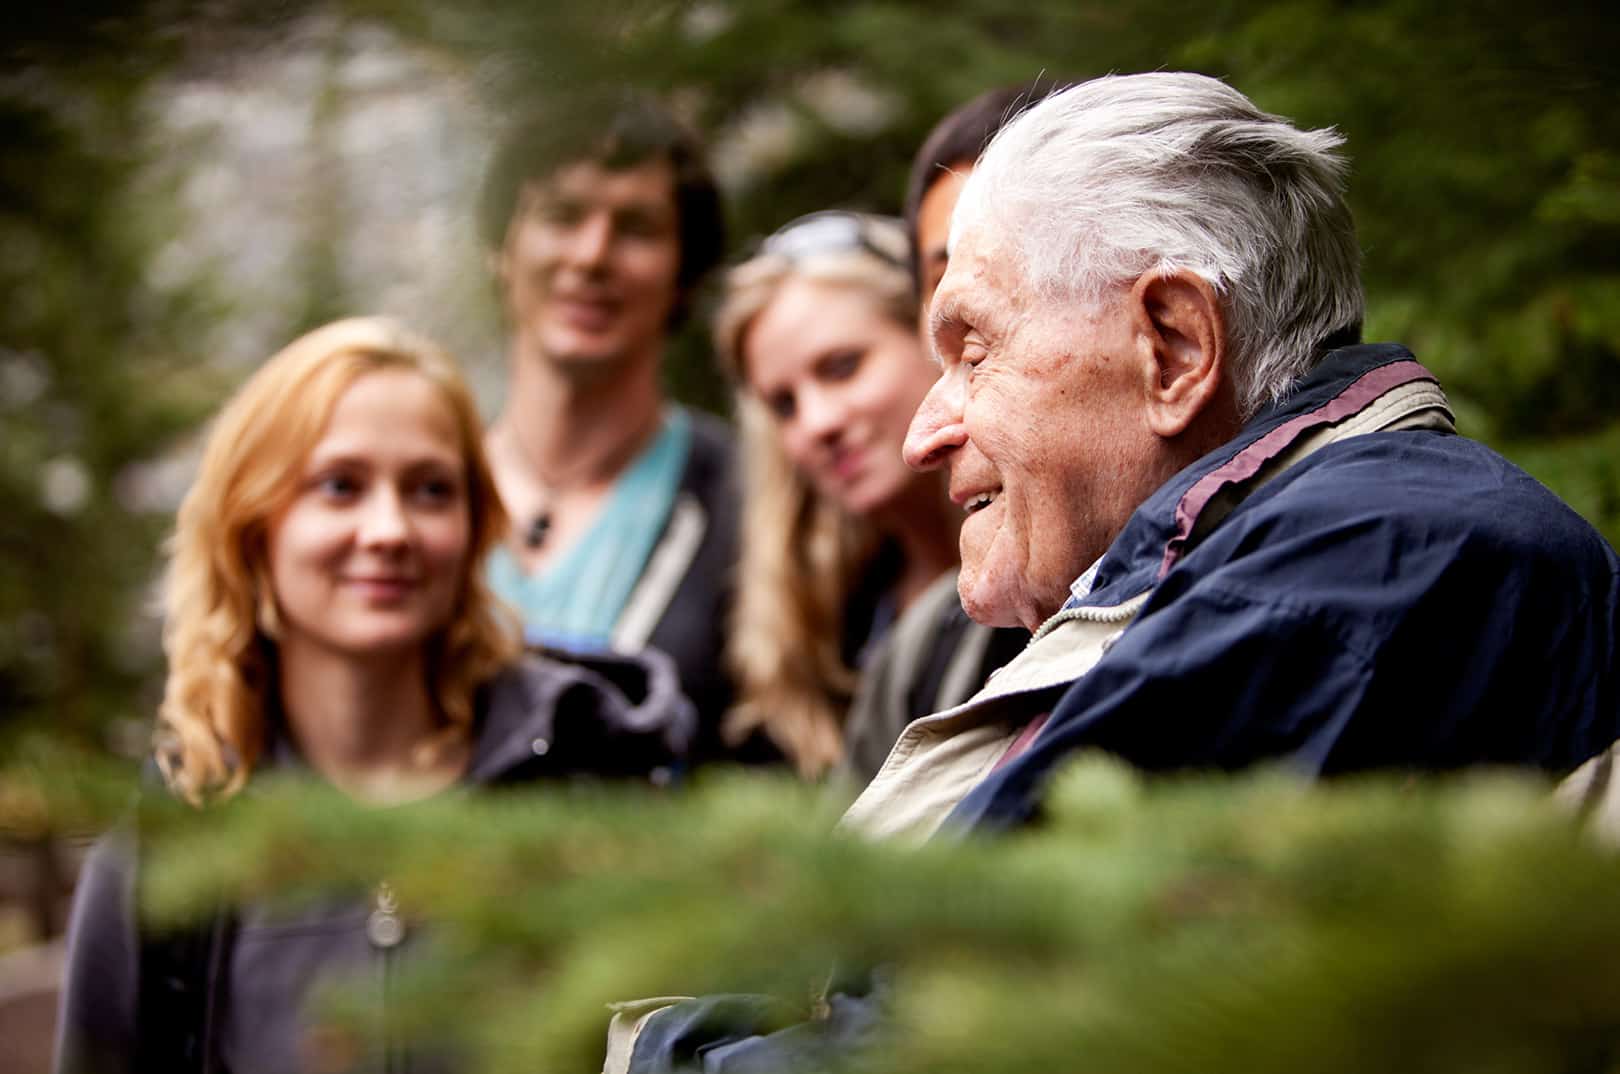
(1081, 587)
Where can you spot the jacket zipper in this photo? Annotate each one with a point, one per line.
(386, 930)
(1117, 613)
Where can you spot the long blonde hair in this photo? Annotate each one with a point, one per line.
(803, 554)
(220, 615)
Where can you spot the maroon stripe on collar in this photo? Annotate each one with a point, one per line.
(1360, 394)
(1021, 743)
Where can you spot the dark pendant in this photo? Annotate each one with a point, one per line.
(539, 526)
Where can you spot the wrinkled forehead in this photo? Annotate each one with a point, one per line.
(982, 286)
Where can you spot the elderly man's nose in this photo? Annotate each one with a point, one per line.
(937, 429)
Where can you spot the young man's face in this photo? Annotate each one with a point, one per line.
(590, 264)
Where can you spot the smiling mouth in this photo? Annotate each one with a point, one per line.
(588, 310)
(979, 502)
(846, 465)
(382, 585)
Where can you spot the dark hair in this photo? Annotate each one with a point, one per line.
(617, 131)
(960, 137)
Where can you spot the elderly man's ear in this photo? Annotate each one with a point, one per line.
(1181, 336)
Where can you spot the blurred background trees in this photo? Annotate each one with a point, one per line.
(185, 187)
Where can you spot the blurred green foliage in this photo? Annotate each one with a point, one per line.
(1486, 181)
(1203, 924)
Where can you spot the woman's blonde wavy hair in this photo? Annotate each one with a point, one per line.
(220, 615)
(803, 554)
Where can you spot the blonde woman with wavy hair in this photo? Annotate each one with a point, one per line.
(819, 332)
(326, 614)
(223, 618)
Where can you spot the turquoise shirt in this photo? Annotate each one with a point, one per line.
(575, 602)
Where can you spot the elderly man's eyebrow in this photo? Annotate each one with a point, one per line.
(945, 321)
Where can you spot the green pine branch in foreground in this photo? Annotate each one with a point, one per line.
(1200, 924)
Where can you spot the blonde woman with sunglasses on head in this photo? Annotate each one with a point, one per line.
(840, 537)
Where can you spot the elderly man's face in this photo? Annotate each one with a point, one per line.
(1040, 415)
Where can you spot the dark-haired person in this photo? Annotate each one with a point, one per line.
(942, 165)
(601, 216)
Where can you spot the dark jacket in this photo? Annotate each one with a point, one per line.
(685, 593)
(693, 628)
(230, 995)
(933, 658)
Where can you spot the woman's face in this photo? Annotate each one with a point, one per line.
(842, 379)
(370, 555)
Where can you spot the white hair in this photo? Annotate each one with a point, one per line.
(1130, 174)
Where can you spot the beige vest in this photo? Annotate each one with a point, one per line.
(939, 758)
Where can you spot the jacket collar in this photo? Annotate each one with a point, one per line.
(633, 701)
(1346, 382)
(575, 709)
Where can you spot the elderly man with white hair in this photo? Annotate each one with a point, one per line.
(1238, 534)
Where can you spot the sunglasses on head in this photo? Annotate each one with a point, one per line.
(832, 231)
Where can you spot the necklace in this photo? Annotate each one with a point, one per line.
(539, 527)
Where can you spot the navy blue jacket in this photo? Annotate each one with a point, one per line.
(1402, 599)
